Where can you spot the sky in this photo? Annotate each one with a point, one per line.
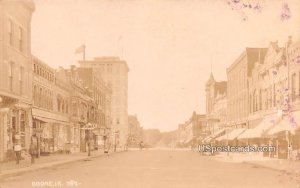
(170, 46)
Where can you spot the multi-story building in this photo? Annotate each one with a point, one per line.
(267, 81)
(15, 75)
(50, 111)
(192, 130)
(101, 95)
(293, 58)
(216, 104)
(237, 86)
(115, 74)
(135, 131)
(82, 110)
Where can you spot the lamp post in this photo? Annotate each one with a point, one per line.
(115, 148)
(226, 132)
(89, 128)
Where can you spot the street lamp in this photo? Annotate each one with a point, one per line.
(116, 132)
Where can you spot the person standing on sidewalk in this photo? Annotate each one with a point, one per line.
(32, 151)
(17, 147)
(106, 148)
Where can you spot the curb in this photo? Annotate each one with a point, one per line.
(266, 167)
(47, 165)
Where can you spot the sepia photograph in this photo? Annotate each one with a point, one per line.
(150, 93)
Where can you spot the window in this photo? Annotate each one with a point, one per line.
(293, 87)
(40, 97)
(63, 106)
(34, 95)
(10, 32)
(21, 39)
(21, 79)
(11, 74)
(67, 108)
(51, 101)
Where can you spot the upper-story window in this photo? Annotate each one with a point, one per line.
(21, 80)
(11, 74)
(10, 32)
(34, 95)
(21, 39)
(294, 94)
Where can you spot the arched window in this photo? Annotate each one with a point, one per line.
(251, 110)
(34, 95)
(58, 103)
(63, 106)
(254, 101)
(260, 100)
(40, 97)
(51, 101)
(67, 108)
(48, 100)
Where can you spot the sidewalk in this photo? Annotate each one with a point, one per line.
(11, 168)
(283, 165)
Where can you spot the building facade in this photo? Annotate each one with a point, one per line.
(216, 104)
(15, 75)
(237, 86)
(101, 95)
(135, 132)
(115, 74)
(267, 82)
(192, 130)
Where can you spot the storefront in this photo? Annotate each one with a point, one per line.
(51, 130)
(14, 120)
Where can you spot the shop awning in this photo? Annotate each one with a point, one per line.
(221, 138)
(96, 132)
(231, 135)
(266, 124)
(235, 133)
(45, 120)
(288, 123)
(214, 135)
(48, 120)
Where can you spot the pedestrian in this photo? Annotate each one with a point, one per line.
(106, 148)
(32, 151)
(17, 147)
(290, 151)
(141, 145)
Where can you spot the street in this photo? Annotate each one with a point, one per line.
(152, 168)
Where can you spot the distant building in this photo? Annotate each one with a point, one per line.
(151, 137)
(135, 131)
(115, 74)
(15, 75)
(216, 104)
(189, 132)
